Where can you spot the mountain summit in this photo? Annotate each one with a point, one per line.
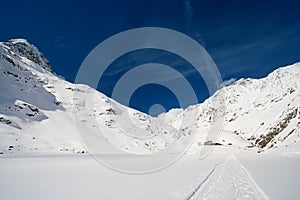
(22, 48)
(37, 110)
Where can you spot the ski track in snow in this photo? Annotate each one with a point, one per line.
(228, 180)
(191, 196)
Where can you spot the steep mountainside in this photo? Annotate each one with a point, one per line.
(41, 112)
(260, 113)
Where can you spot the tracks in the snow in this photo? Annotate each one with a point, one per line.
(228, 180)
(191, 196)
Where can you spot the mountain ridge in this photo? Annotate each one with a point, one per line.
(38, 108)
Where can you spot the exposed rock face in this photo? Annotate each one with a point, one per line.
(36, 103)
(21, 47)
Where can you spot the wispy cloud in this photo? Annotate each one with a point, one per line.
(233, 58)
(188, 10)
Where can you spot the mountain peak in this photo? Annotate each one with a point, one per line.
(23, 49)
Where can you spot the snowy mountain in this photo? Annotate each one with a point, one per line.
(41, 112)
(262, 113)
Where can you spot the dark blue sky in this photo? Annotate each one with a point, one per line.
(245, 38)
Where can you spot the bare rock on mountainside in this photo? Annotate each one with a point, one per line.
(36, 103)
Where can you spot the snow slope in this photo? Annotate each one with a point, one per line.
(41, 112)
(38, 109)
(261, 113)
(41, 115)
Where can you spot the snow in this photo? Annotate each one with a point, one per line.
(51, 148)
(77, 177)
(277, 175)
(225, 174)
(230, 180)
(249, 108)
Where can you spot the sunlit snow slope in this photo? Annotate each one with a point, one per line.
(41, 112)
(256, 113)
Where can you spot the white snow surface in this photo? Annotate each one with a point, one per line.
(251, 129)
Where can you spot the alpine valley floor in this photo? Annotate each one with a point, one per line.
(227, 173)
(255, 156)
